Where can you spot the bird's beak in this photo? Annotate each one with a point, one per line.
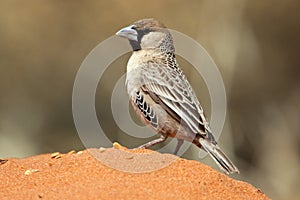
(128, 33)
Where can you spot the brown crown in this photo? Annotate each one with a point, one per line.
(149, 23)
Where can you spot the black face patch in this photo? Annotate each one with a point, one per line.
(136, 45)
(142, 32)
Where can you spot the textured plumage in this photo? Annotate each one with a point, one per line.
(160, 93)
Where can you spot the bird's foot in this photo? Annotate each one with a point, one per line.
(153, 142)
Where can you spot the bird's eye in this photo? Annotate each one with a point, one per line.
(133, 27)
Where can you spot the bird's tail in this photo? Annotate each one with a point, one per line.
(219, 156)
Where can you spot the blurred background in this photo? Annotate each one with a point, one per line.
(255, 44)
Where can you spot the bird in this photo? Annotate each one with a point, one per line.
(161, 94)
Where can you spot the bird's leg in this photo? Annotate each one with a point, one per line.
(179, 143)
(162, 138)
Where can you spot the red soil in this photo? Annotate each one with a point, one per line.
(132, 174)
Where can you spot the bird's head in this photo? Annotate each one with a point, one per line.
(148, 34)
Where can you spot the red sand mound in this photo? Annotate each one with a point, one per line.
(133, 174)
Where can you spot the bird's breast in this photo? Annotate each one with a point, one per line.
(133, 74)
(133, 62)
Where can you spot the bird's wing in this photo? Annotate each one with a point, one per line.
(168, 86)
